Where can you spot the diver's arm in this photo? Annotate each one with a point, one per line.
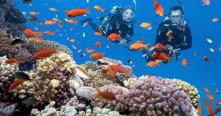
(186, 42)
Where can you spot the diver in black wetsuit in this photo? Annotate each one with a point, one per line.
(120, 20)
(174, 34)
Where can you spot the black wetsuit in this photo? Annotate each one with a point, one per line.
(182, 37)
(117, 25)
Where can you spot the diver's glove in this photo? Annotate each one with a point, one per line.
(102, 30)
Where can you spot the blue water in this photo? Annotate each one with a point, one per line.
(198, 72)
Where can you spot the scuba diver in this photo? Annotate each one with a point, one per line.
(120, 20)
(173, 35)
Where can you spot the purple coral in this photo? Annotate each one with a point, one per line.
(158, 96)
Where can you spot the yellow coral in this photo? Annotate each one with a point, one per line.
(190, 90)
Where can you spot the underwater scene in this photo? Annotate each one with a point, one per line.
(110, 58)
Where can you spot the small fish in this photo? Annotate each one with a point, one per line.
(146, 25)
(98, 44)
(97, 55)
(206, 2)
(98, 33)
(208, 106)
(215, 111)
(113, 37)
(138, 45)
(212, 50)
(206, 90)
(11, 60)
(49, 22)
(76, 12)
(215, 20)
(209, 40)
(34, 13)
(53, 9)
(105, 94)
(160, 56)
(20, 77)
(218, 103)
(83, 35)
(71, 21)
(184, 62)
(135, 3)
(98, 8)
(34, 39)
(217, 91)
(206, 58)
(210, 96)
(29, 31)
(90, 50)
(158, 8)
(49, 33)
(72, 40)
(44, 53)
(153, 63)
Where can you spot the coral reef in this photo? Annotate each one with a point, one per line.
(6, 75)
(58, 86)
(190, 90)
(158, 96)
(111, 96)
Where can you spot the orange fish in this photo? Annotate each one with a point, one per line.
(146, 25)
(153, 63)
(97, 55)
(11, 60)
(199, 109)
(76, 12)
(49, 33)
(210, 96)
(214, 112)
(160, 56)
(206, 90)
(158, 8)
(98, 8)
(33, 13)
(44, 53)
(208, 106)
(50, 22)
(118, 68)
(29, 31)
(89, 50)
(98, 44)
(111, 72)
(184, 62)
(113, 37)
(98, 33)
(53, 9)
(138, 45)
(106, 94)
(71, 21)
(20, 77)
(34, 39)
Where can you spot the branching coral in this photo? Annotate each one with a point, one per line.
(191, 91)
(111, 96)
(157, 96)
(60, 60)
